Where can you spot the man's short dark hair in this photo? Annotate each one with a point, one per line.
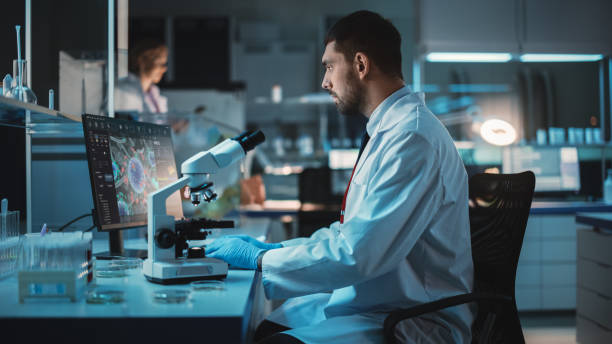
(371, 34)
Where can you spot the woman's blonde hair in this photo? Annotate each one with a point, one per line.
(143, 56)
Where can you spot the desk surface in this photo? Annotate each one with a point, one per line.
(232, 301)
(229, 308)
(599, 220)
(280, 208)
(539, 207)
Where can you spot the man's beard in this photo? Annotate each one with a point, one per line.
(352, 104)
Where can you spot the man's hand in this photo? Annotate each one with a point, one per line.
(235, 252)
(255, 242)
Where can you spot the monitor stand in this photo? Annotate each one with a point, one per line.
(115, 245)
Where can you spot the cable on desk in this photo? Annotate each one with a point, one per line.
(72, 221)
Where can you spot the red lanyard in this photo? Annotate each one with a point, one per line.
(345, 194)
(364, 142)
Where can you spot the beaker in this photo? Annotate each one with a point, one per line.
(9, 242)
(25, 94)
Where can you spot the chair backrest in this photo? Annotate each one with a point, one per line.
(499, 209)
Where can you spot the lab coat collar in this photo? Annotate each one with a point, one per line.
(381, 119)
(377, 115)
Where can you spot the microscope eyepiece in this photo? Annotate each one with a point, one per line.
(249, 139)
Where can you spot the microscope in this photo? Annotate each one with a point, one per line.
(166, 262)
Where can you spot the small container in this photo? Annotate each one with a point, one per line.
(541, 137)
(607, 188)
(597, 137)
(575, 136)
(588, 136)
(277, 94)
(7, 83)
(556, 136)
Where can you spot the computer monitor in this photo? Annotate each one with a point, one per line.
(556, 168)
(127, 161)
(341, 163)
(339, 159)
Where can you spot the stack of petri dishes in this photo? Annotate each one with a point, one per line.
(118, 267)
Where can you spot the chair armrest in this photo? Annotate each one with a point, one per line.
(401, 314)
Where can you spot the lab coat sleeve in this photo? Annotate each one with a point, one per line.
(403, 193)
(320, 234)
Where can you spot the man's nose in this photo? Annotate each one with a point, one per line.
(325, 84)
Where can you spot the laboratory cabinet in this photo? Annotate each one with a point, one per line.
(546, 273)
(567, 26)
(548, 26)
(450, 25)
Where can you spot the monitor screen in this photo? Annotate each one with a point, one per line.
(556, 168)
(127, 161)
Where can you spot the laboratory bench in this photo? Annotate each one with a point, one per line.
(222, 314)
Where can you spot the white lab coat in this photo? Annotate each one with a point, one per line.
(129, 96)
(405, 240)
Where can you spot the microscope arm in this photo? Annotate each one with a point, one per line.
(157, 217)
(157, 199)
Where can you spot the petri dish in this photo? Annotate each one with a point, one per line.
(208, 285)
(110, 272)
(127, 263)
(171, 296)
(102, 297)
(117, 267)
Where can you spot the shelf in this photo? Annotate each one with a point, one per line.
(13, 113)
(319, 98)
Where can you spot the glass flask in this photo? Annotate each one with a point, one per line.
(23, 92)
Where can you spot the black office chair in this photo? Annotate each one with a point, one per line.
(499, 208)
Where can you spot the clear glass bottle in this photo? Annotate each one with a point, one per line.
(21, 92)
(607, 188)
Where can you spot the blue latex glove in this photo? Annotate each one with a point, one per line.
(235, 252)
(255, 242)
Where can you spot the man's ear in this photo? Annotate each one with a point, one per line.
(362, 65)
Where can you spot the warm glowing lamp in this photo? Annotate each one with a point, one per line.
(497, 132)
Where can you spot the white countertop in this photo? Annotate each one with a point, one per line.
(233, 301)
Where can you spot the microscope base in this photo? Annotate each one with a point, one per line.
(184, 271)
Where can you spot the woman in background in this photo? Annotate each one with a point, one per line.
(138, 91)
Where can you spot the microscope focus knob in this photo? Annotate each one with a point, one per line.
(165, 238)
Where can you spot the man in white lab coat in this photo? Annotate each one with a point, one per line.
(403, 237)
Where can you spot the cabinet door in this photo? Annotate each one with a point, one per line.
(528, 298)
(558, 275)
(566, 26)
(558, 226)
(528, 274)
(558, 298)
(559, 251)
(470, 25)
